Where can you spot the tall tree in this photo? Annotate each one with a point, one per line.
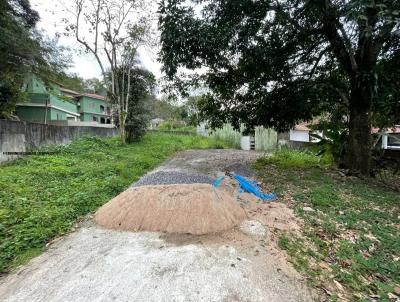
(111, 31)
(277, 62)
(140, 103)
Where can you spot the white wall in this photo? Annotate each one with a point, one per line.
(245, 143)
(81, 124)
(299, 136)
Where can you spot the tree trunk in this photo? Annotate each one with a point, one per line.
(359, 142)
(122, 128)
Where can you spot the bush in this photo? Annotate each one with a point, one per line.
(175, 125)
(135, 130)
(287, 158)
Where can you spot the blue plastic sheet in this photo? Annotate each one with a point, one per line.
(253, 188)
(218, 181)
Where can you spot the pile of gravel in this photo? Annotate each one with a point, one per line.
(172, 177)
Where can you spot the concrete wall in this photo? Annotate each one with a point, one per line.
(23, 136)
(299, 136)
(63, 104)
(33, 114)
(81, 124)
(284, 141)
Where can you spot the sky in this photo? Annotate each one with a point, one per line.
(85, 65)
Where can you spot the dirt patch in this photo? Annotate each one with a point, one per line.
(184, 208)
(274, 215)
(253, 228)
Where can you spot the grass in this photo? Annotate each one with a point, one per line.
(288, 158)
(350, 245)
(42, 197)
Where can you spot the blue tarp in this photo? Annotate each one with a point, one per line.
(253, 188)
(218, 181)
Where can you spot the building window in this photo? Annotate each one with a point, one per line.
(101, 108)
(394, 139)
(102, 120)
(95, 119)
(108, 121)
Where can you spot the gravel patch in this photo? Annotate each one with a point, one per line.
(241, 169)
(172, 177)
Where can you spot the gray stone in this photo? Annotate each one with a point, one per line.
(308, 209)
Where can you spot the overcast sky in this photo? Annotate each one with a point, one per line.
(51, 13)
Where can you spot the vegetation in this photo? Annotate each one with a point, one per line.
(350, 243)
(176, 125)
(177, 114)
(228, 134)
(74, 82)
(275, 63)
(140, 100)
(288, 158)
(42, 197)
(22, 50)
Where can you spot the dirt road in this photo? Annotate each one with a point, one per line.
(94, 264)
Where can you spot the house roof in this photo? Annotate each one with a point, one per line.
(93, 96)
(78, 94)
(66, 90)
(394, 130)
(302, 127)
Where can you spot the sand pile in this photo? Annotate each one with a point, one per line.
(179, 208)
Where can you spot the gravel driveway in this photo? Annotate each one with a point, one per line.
(94, 264)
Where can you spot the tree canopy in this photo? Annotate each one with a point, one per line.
(275, 63)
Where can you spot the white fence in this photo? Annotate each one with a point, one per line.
(265, 139)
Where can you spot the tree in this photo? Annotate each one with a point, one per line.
(112, 37)
(70, 81)
(275, 63)
(164, 109)
(192, 106)
(140, 103)
(23, 50)
(94, 85)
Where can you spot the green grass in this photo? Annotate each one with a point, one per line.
(353, 235)
(42, 197)
(287, 158)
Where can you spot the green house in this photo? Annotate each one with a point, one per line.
(52, 103)
(45, 104)
(94, 108)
